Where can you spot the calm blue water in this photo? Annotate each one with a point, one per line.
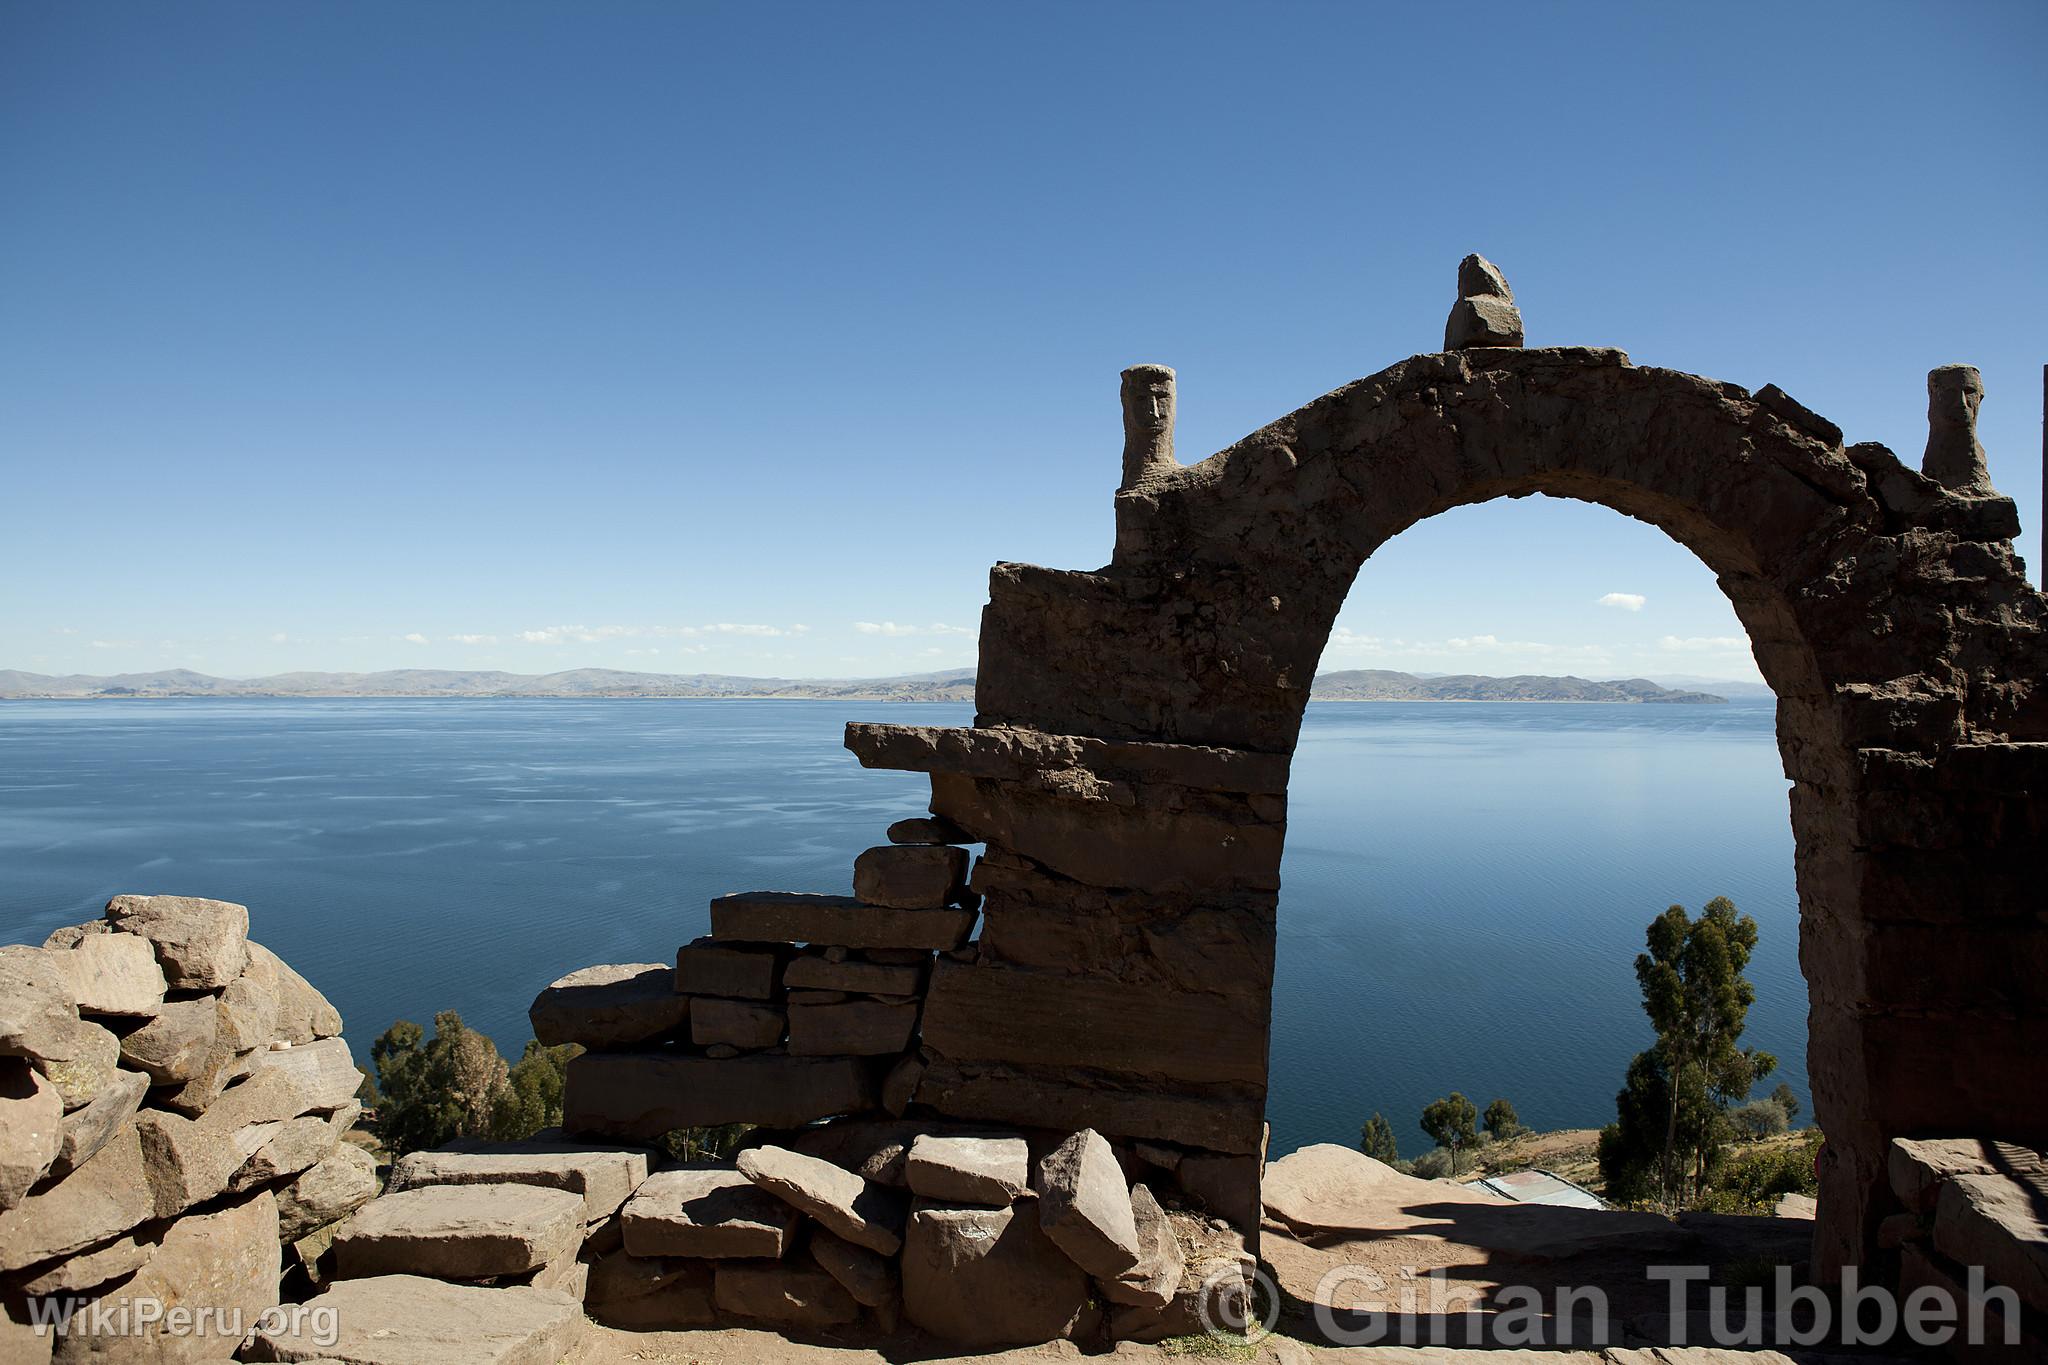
(1466, 885)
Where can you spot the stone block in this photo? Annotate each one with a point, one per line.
(874, 1149)
(632, 1292)
(410, 1320)
(962, 1169)
(114, 974)
(705, 1212)
(1016, 1015)
(611, 1006)
(31, 1129)
(102, 1199)
(460, 1232)
(927, 830)
(325, 1071)
(1918, 1167)
(646, 1094)
(813, 971)
(298, 1144)
(173, 1047)
(793, 1293)
(795, 917)
(202, 945)
(864, 1213)
(735, 1023)
(300, 1013)
(1225, 1120)
(911, 876)
(1154, 1280)
(227, 1261)
(899, 1087)
(870, 1277)
(605, 1175)
(1085, 1206)
(990, 1277)
(1999, 1222)
(1227, 1186)
(853, 1028)
(736, 971)
(330, 1189)
(89, 1270)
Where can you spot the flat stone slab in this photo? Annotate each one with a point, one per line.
(646, 1094)
(862, 1212)
(102, 1199)
(460, 1232)
(928, 829)
(850, 1028)
(1085, 1206)
(814, 972)
(610, 1006)
(1998, 1222)
(1919, 1166)
(706, 1211)
(869, 1277)
(911, 876)
(324, 1071)
(202, 945)
(794, 1293)
(995, 1171)
(605, 1176)
(114, 974)
(735, 971)
(408, 1320)
(989, 1277)
(735, 1023)
(837, 921)
(1154, 1280)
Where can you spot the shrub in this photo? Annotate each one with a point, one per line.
(1759, 1119)
(1433, 1164)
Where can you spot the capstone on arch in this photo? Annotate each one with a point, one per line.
(1127, 767)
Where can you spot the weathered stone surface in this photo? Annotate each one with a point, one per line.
(1953, 457)
(39, 1021)
(202, 945)
(874, 1149)
(409, 1320)
(859, 1210)
(1154, 1280)
(610, 1006)
(1918, 1167)
(1999, 1222)
(927, 830)
(793, 1293)
(227, 1261)
(869, 1277)
(736, 971)
(93, 1066)
(299, 1013)
(1482, 322)
(2006, 1342)
(31, 1129)
(735, 1023)
(1029, 755)
(650, 1295)
(1216, 1118)
(1479, 278)
(854, 1028)
(1214, 1289)
(644, 1095)
(332, 1188)
(173, 1047)
(86, 1130)
(114, 974)
(298, 1145)
(989, 1277)
(706, 1212)
(813, 971)
(911, 876)
(102, 1199)
(1085, 1207)
(192, 1160)
(988, 1013)
(90, 1270)
(460, 1232)
(324, 1071)
(604, 1174)
(1227, 1186)
(795, 917)
(899, 1087)
(969, 1170)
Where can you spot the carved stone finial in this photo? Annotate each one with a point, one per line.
(1953, 458)
(1148, 421)
(1485, 313)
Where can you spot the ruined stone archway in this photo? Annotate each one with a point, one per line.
(1127, 769)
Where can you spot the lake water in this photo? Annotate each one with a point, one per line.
(1466, 885)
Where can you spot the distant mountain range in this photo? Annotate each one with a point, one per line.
(1369, 684)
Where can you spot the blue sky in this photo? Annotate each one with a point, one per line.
(744, 338)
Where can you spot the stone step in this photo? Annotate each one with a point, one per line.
(706, 1211)
(646, 1094)
(604, 1175)
(409, 1320)
(838, 921)
(460, 1232)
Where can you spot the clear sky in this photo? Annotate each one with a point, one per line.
(744, 338)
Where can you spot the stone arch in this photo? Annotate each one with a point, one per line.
(1127, 766)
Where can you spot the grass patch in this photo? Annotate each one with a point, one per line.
(1204, 1346)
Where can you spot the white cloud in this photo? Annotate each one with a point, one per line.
(1624, 601)
(474, 639)
(1704, 644)
(108, 644)
(414, 638)
(278, 637)
(893, 629)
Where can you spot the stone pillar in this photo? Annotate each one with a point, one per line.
(1954, 459)
(1148, 422)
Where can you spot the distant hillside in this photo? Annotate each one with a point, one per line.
(1369, 684)
(1379, 684)
(953, 685)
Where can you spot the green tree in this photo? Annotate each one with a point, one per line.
(1502, 1121)
(430, 1091)
(532, 1096)
(1452, 1123)
(1376, 1140)
(1787, 1101)
(1698, 1000)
